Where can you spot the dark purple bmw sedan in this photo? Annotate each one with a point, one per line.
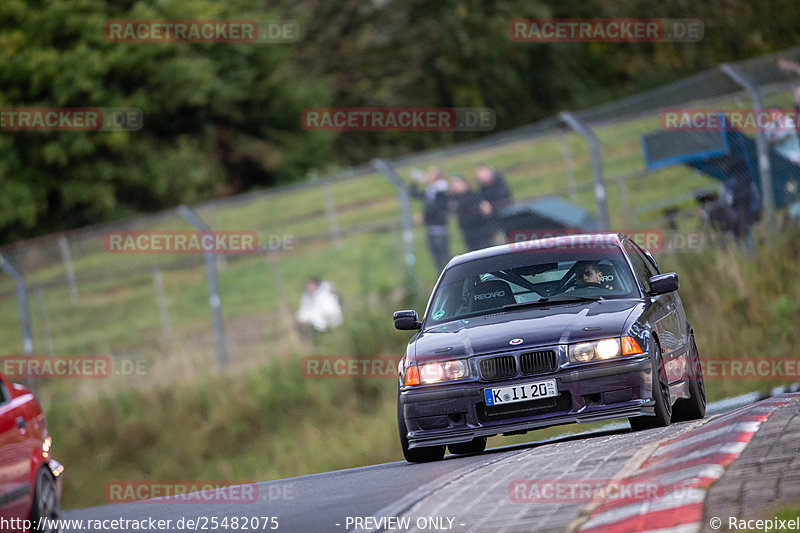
(579, 328)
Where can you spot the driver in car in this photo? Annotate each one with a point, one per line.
(589, 275)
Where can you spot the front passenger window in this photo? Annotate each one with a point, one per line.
(640, 264)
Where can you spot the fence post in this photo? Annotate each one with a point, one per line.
(597, 165)
(567, 156)
(213, 288)
(623, 197)
(762, 146)
(48, 339)
(405, 218)
(222, 260)
(23, 303)
(66, 257)
(333, 221)
(273, 257)
(161, 302)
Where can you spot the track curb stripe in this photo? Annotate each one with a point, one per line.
(687, 465)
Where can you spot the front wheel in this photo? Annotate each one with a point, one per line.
(660, 395)
(45, 503)
(415, 455)
(693, 408)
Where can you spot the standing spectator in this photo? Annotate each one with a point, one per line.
(743, 197)
(319, 308)
(435, 210)
(495, 195)
(471, 219)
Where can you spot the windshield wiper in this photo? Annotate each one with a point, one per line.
(549, 301)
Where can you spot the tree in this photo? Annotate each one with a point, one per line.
(218, 118)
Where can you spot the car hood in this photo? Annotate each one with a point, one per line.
(540, 326)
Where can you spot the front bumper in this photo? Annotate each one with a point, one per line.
(57, 470)
(458, 413)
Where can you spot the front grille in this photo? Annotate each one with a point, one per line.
(501, 367)
(538, 362)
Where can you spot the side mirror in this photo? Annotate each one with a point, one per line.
(405, 320)
(664, 283)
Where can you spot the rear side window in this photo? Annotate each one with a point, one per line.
(5, 397)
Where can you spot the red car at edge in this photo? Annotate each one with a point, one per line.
(30, 479)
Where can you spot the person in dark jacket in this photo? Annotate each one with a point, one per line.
(473, 222)
(434, 213)
(495, 195)
(742, 195)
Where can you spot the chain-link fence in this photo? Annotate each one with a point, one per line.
(653, 160)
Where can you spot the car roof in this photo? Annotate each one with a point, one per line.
(548, 242)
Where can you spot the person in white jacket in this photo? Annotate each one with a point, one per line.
(319, 306)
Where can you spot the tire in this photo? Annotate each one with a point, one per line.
(476, 445)
(45, 502)
(415, 455)
(660, 394)
(694, 407)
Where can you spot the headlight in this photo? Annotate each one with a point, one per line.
(46, 444)
(582, 352)
(607, 348)
(437, 372)
(603, 349)
(455, 369)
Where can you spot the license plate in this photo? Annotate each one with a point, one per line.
(521, 393)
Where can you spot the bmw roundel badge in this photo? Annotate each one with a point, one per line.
(515, 341)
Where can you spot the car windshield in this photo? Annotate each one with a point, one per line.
(557, 276)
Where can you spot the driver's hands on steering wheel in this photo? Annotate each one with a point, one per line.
(594, 284)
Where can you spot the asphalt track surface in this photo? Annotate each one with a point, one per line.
(333, 501)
